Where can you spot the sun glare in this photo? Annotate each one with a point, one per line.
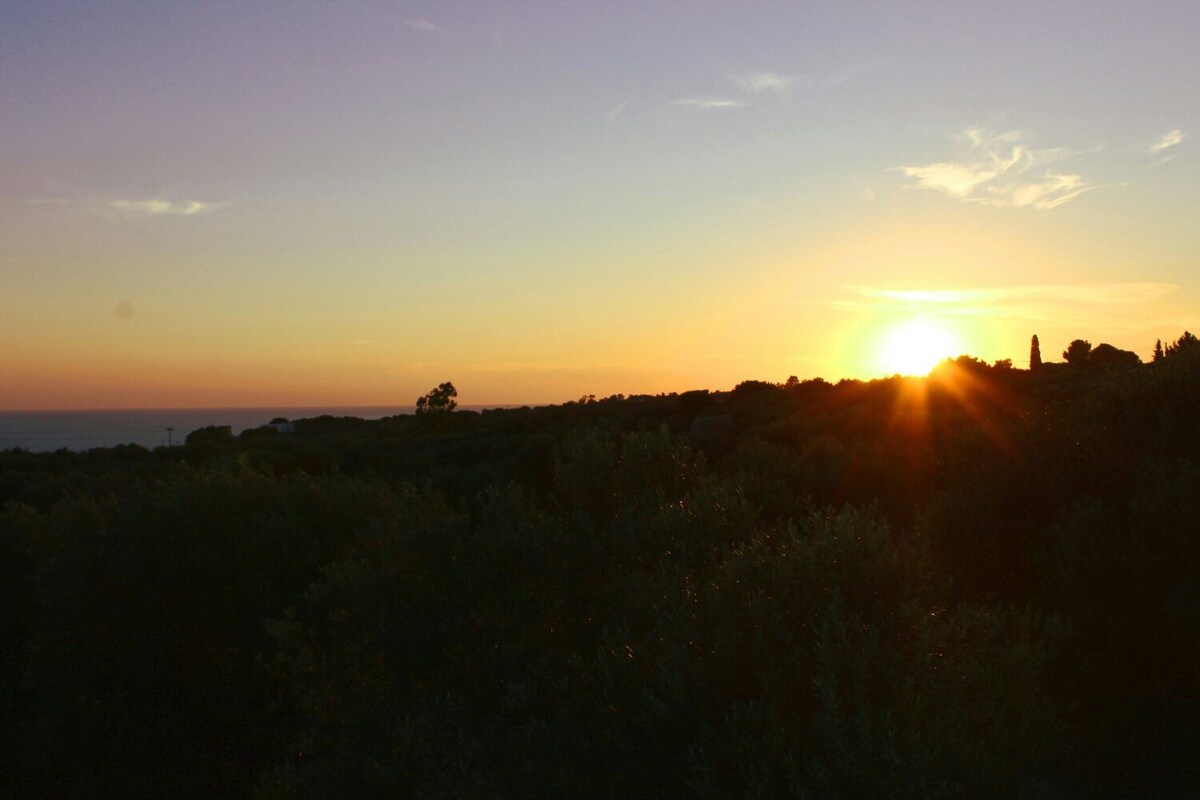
(915, 348)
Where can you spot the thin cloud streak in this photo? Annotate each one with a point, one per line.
(768, 81)
(121, 208)
(1048, 304)
(423, 25)
(1103, 294)
(159, 208)
(707, 103)
(999, 170)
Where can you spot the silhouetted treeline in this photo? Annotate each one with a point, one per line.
(980, 584)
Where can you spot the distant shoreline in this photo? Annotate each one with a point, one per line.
(401, 409)
(43, 431)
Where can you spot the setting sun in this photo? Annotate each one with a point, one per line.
(915, 347)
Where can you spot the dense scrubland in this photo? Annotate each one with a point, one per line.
(980, 584)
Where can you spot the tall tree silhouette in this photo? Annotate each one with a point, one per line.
(1158, 350)
(1035, 353)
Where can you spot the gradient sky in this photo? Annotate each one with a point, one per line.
(244, 204)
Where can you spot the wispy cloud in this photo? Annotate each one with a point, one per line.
(422, 25)
(158, 208)
(1001, 170)
(1168, 139)
(707, 103)
(1054, 191)
(958, 180)
(758, 82)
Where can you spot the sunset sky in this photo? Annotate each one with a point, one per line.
(248, 203)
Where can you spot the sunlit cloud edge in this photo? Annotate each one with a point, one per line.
(997, 169)
(1167, 140)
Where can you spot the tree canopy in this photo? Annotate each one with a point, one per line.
(1187, 343)
(1076, 353)
(440, 398)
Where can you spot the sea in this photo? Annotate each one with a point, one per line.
(46, 431)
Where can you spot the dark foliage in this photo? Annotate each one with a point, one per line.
(1106, 356)
(1077, 352)
(1187, 343)
(980, 584)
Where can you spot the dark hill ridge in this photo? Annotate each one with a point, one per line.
(980, 584)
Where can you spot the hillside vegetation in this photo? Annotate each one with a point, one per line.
(981, 584)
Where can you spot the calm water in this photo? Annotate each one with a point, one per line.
(82, 430)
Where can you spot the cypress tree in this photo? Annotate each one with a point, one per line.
(1035, 353)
